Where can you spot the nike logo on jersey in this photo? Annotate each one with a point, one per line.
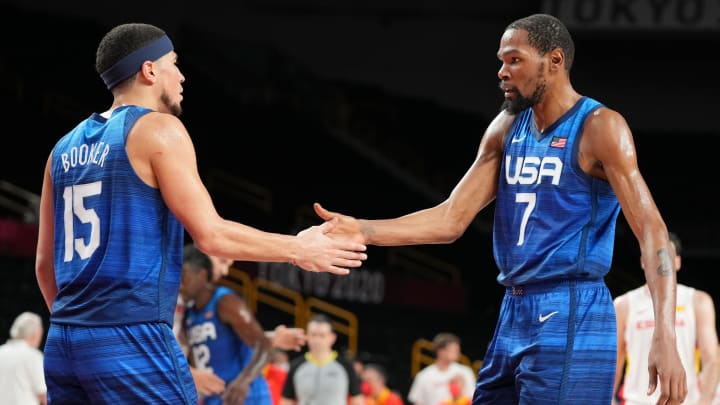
(542, 318)
(514, 140)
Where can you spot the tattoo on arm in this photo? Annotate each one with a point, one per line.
(665, 266)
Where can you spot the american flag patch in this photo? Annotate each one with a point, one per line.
(557, 142)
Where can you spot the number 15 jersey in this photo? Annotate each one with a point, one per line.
(118, 248)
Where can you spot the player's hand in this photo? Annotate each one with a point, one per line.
(207, 383)
(237, 391)
(347, 227)
(665, 367)
(321, 253)
(289, 338)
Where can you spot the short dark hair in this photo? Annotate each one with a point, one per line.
(378, 369)
(321, 318)
(675, 240)
(546, 33)
(123, 40)
(195, 259)
(441, 340)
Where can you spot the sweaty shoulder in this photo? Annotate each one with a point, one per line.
(155, 136)
(605, 138)
(498, 129)
(159, 127)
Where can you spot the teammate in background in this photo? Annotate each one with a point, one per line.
(559, 166)
(206, 382)
(22, 381)
(119, 191)
(321, 376)
(695, 329)
(223, 334)
(432, 384)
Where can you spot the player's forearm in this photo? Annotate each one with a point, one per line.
(261, 353)
(660, 277)
(241, 242)
(429, 226)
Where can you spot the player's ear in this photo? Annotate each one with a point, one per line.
(557, 57)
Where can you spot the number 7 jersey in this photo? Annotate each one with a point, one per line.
(552, 220)
(118, 248)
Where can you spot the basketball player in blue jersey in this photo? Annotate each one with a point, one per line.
(223, 335)
(118, 192)
(559, 166)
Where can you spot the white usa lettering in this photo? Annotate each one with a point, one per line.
(201, 333)
(532, 169)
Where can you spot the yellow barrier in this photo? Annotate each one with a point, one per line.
(262, 291)
(281, 298)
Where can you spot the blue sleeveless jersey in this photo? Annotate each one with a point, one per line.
(118, 249)
(552, 220)
(214, 345)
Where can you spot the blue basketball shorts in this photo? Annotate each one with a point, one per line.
(554, 343)
(127, 364)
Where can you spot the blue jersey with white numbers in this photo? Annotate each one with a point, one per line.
(552, 220)
(118, 248)
(214, 345)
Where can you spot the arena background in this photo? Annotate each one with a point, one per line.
(372, 108)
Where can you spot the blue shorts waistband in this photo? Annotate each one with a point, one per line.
(552, 285)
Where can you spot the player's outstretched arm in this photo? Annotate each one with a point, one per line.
(286, 338)
(164, 157)
(444, 222)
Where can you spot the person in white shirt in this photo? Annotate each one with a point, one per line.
(431, 385)
(695, 332)
(22, 379)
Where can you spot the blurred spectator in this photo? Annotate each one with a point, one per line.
(431, 385)
(22, 380)
(374, 386)
(321, 376)
(357, 362)
(457, 388)
(275, 373)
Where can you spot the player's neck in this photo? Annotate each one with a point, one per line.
(139, 98)
(553, 105)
